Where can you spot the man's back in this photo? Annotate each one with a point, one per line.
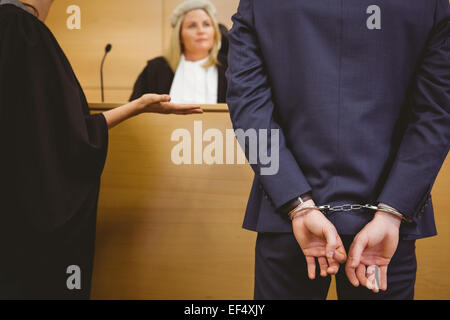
(351, 85)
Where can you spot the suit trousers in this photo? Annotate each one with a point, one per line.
(281, 273)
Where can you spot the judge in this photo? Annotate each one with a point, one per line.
(193, 69)
(52, 156)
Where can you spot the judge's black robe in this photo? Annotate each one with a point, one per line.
(52, 155)
(157, 77)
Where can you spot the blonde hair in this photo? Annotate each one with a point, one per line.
(174, 51)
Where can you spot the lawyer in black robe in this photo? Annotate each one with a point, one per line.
(53, 153)
(52, 156)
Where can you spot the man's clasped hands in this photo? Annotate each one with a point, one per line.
(367, 260)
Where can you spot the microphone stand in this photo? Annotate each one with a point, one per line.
(107, 49)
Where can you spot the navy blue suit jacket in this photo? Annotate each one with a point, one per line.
(361, 99)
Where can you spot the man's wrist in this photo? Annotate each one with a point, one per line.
(294, 203)
(388, 209)
(302, 209)
(389, 218)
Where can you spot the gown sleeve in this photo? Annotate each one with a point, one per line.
(53, 150)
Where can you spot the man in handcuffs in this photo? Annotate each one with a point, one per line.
(360, 96)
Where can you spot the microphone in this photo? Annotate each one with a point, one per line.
(107, 49)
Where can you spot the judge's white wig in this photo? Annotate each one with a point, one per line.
(189, 5)
(173, 55)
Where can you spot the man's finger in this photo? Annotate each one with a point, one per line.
(372, 274)
(356, 250)
(311, 263)
(361, 274)
(351, 275)
(340, 255)
(330, 237)
(383, 277)
(323, 266)
(333, 266)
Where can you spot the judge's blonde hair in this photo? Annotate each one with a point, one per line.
(175, 50)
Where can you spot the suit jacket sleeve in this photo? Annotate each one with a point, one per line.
(425, 143)
(251, 106)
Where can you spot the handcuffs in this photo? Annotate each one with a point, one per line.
(326, 209)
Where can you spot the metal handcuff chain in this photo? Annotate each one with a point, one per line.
(326, 209)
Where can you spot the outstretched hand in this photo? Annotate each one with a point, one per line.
(155, 103)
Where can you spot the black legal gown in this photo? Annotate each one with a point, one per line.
(52, 153)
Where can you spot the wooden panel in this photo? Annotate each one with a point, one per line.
(168, 231)
(135, 32)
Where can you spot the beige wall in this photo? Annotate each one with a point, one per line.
(166, 231)
(138, 31)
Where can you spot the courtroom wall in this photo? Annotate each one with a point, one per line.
(138, 31)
